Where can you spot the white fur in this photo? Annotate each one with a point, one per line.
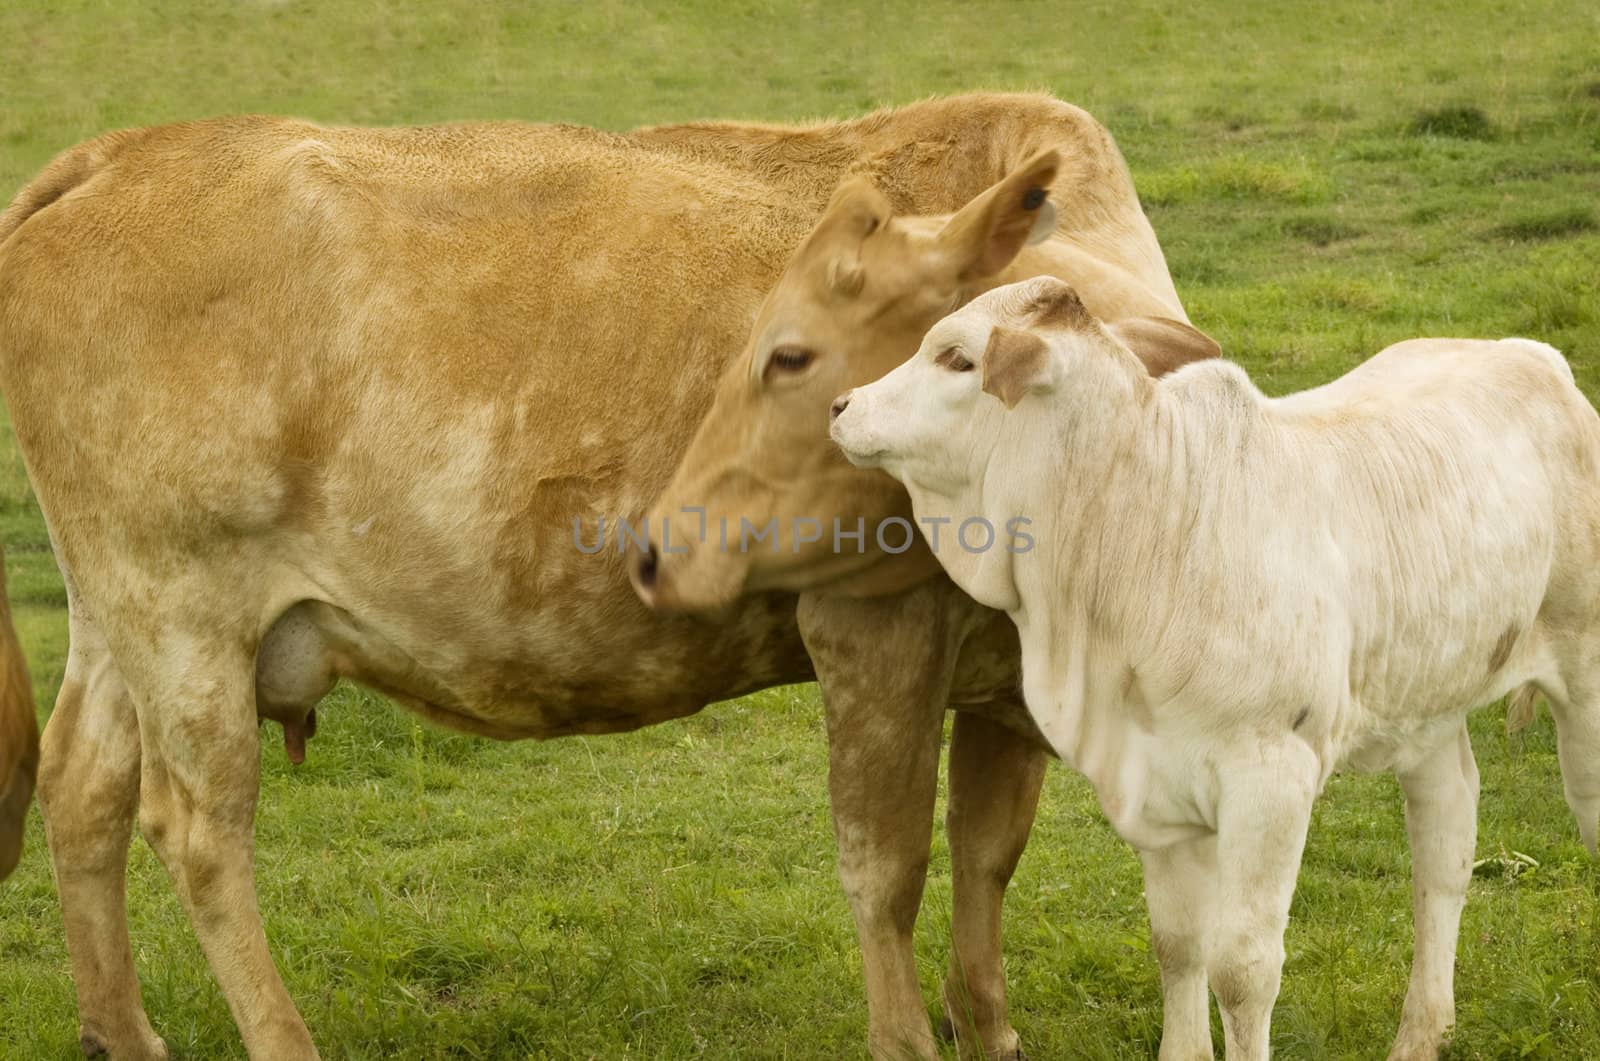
(1231, 596)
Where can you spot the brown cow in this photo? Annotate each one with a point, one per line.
(19, 739)
(304, 402)
(892, 641)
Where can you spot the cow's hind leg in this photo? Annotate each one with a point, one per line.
(1442, 822)
(1179, 888)
(88, 792)
(199, 784)
(995, 777)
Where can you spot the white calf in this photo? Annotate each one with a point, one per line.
(1223, 597)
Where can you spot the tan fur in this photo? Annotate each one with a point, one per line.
(303, 402)
(19, 739)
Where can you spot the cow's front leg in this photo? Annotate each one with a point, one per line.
(1442, 820)
(995, 778)
(884, 725)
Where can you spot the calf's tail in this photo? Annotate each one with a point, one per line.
(19, 739)
(1521, 708)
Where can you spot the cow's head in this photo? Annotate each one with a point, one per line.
(754, 502)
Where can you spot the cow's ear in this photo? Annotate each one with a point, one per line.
(987, 233)
(1015, 363)
(856, 211)
(1162, 343)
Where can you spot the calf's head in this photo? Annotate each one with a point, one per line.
(975, 414)
(754, 502)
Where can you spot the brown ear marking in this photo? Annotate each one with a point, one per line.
(1012, 362)
(1163, 344)
(1058, 306)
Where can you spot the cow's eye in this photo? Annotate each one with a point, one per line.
(788, 358)
(951, 358)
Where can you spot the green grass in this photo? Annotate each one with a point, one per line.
(1325, 181)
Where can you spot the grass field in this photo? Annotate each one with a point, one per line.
(1325, 180)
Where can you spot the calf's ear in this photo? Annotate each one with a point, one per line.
(1162, 343)
(1015, 363)
(987, 233)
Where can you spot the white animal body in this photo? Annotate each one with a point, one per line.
(1230, 596)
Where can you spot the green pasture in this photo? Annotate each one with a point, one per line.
(1325, 178)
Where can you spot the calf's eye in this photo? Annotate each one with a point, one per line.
(951, 359)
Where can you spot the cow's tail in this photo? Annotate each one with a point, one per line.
(19, 739)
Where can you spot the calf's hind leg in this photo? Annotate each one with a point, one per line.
(1442, 824)
(1576, 711)
(88, 791)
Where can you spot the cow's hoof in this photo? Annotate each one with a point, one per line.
(154, 1049)
(945, 1032)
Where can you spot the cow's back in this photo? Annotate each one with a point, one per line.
(934, 156)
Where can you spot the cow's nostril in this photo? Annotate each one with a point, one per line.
(839, 405)
(646, 569)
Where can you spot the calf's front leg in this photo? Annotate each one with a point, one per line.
(1179, 888)
(1442, 824)
(1262, 817)
(884, 725)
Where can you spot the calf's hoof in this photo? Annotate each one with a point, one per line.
(1419, 1046)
